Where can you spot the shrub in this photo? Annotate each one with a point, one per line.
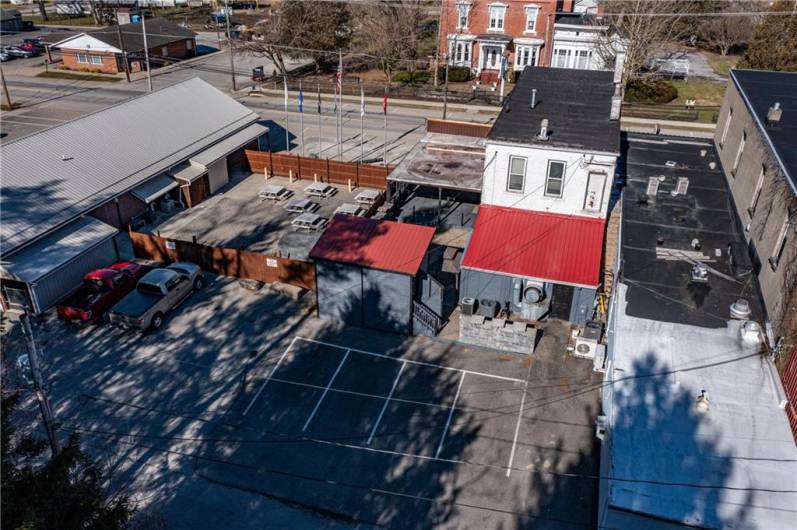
(456, 74)
(417, 77)
(647, 91)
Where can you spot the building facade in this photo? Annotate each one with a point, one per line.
(756, 138)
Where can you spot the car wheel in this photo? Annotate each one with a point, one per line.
(157, 320)
(198, 284)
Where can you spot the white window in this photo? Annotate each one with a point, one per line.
(531, 19)
(739, 153)
(780, 245)
(164, 51)
(497, 18)
(189, 45)
(96, 59)
(466, 52)
(555, 181)
(82, 58)
(757, 192)
(726, 127)
(517, 173)
(561, 58)
(525, 56)
(462, 15)
(583, 58)
(459, 53)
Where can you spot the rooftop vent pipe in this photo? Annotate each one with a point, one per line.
(701, 403)
(533, 97)
(740, 309)
(543, 131)
(773, 114)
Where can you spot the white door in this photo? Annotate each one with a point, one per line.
(594, 196)
(217, 174)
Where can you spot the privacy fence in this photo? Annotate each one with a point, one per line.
(225, 261)
(323, 170)
(789, 378)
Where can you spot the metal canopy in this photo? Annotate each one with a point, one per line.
(155, 188)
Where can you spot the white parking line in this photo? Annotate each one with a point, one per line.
(323, 395)
(410, 361)
(384, 406)
(260, 390)
(517, 429)
(450, 415)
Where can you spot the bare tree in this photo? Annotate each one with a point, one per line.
(42, 9)
(644, 28)
(723, 33)
(390, 32)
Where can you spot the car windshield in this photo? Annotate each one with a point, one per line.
(149, 288)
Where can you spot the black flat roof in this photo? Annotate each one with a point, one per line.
(576, 103)
(762, 89)
(657, 235)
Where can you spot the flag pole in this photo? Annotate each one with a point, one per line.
(301, 115)
(340, 107)
(362, 119)
(319, 120)
(335, 114)
(287, 134)
(146, 51)
(384, 110)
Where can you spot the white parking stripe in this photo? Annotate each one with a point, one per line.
(410, 361)
(260, 390)
(387, 401)
(517, 429)
(323, 395)
(450, 415)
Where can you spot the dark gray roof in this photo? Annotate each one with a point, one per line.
(576, 103)
(9, 14)
(159, 33)
(657, 235)
(760, 90)
(574, 19)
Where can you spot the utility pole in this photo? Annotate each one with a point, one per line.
(146, 51)
(437, 46)
(5, 90)
(35, 369)
(445, 88)
(229, 44)
(122, 47)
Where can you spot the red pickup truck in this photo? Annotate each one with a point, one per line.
(101, 289)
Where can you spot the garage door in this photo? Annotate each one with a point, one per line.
(387, 300)
(339, 292)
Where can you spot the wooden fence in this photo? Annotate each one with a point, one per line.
(225, 261)
(332, 171)
(788, 376)
(459, 128)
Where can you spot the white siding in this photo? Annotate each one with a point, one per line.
(217, 174)
(578, 168)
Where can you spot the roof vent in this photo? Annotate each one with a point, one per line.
(773, 114)
(701, 403)
(751, 331)
(543, 131)
(653, 185)
(66, 158)
(681, 186)
(699, 273)
(533, 98)
(740, 309)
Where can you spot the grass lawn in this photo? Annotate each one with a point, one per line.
(79, 77)
(721, 65)
(56, 20)
(705, 93)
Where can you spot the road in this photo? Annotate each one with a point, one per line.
(46, 102)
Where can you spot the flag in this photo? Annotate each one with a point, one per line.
(339, 75)
(384, 103)
(319, 99)
(362, 101)
(301, 99)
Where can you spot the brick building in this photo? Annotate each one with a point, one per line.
(103, 50)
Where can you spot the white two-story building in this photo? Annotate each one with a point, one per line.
(550, 161)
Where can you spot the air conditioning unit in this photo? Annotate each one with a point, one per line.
(468, 306)
(587, 341)
(487, 308)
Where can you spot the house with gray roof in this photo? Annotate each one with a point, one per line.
(69, 189)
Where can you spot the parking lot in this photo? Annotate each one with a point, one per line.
(238, 218)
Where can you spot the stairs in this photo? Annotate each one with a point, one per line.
(611, 243)
(487, 77)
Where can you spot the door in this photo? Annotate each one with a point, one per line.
(177, 288)
(593, 200)
(431, 293)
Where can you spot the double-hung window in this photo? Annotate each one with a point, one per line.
(726, 127)
(757, 192)
(525, 56)
(739, 154)
(517, 173)
(531, 19)
(780, 246)
(497, 18)
(82, 58)
(96, 59)
(583, 59)
(555, 180)
(561, 58)
(462, 15)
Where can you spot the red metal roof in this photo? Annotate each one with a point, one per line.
(374, 243)
(558, 248)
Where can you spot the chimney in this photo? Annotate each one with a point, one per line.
(533, 97)
(773, 114)
(619, 65)
(543, 131)
(617, 103)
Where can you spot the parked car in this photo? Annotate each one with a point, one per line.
(158, 292)
(101, 289)
(5, 57)
(16, 51)
(33, 45)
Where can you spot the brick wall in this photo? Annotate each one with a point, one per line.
(108, 65)
(182, 49)
(129, 207)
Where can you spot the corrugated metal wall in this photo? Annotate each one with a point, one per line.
(364, 297)
(55, 286)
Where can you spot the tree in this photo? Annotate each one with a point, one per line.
(64, 492)
(645, 28)
(42, 9)
(774, 44)
(723, 33)
(391, 32)
(296, 26)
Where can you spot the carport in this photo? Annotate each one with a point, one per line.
(366, 271)
(41, 274)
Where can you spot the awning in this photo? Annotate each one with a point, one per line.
(56, 250)
(188, 172)
(564, 249)
(229, 144)
(154, 188)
